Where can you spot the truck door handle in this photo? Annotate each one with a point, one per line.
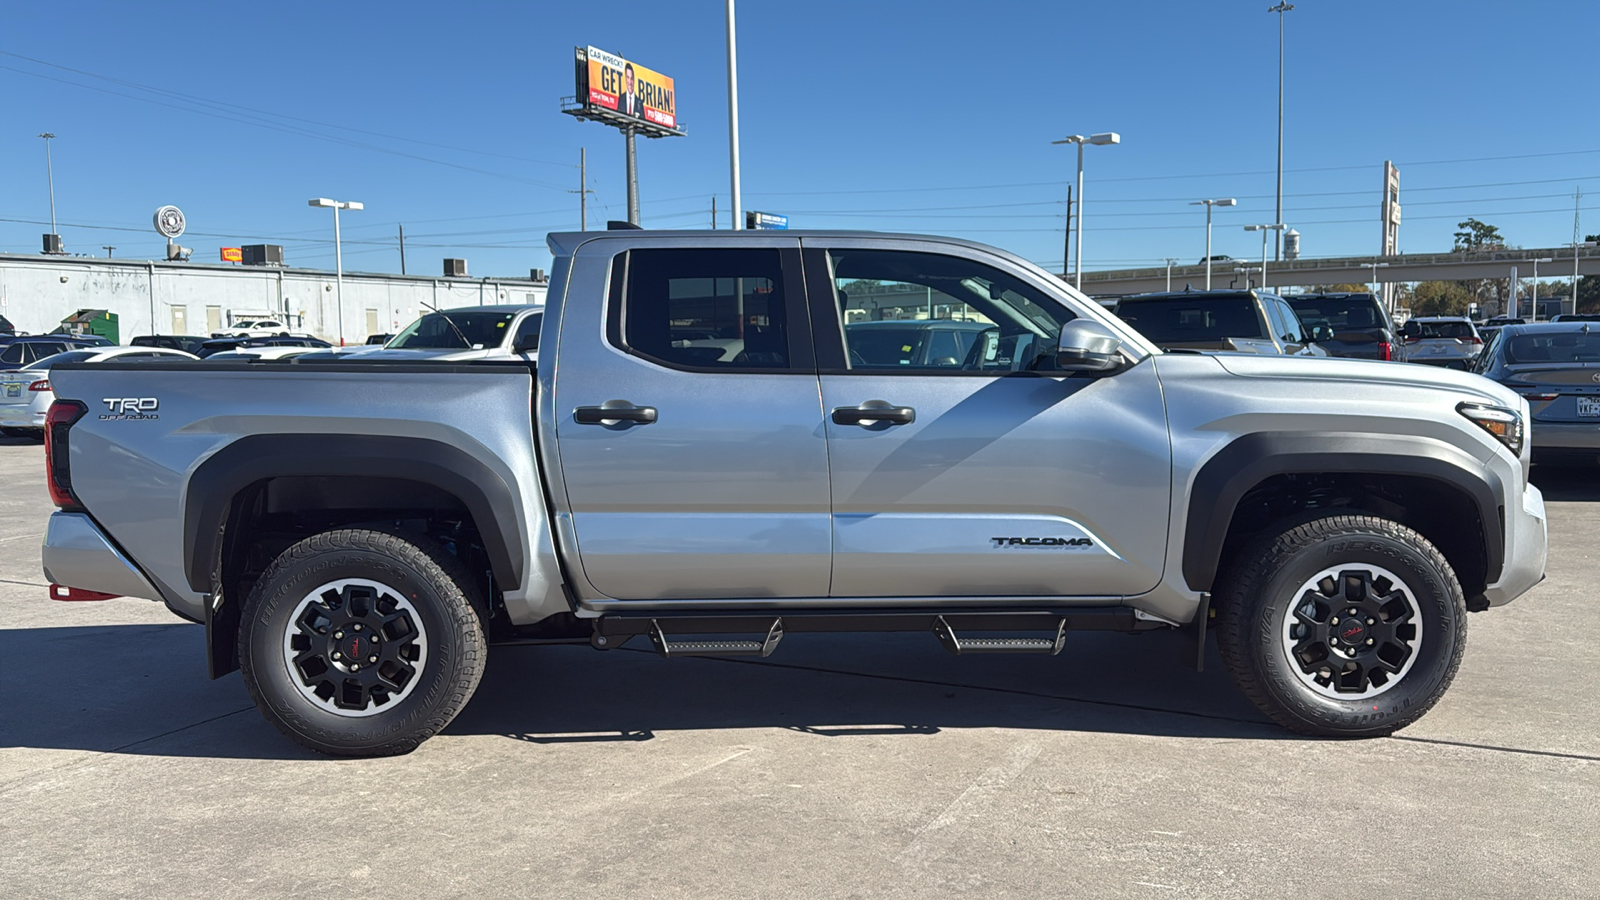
(600, 415)
(874, 411)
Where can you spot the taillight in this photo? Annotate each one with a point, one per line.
(42, 384)
(1385, 350)
(1538, 398)
(62, 416)
(1412, 339)
(1473, 340)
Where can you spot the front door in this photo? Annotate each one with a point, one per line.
(983, 476)
(690, 436)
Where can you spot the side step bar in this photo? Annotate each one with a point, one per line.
(958, 645)
(761, 648)
(959, 631)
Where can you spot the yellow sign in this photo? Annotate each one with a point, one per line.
(232, 254)
(628, 89)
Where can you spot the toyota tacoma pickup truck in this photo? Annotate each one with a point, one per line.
(700, 460)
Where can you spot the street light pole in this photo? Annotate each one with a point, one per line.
(1208, 204)
(733, 122)
(1375, 266)
(1170, 261)
(1536, 290)
(1109, 137)
(338, 256)
(1280, 9)
(50, 175)
(1264, 229)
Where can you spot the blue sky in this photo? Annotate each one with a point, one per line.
(890, 115)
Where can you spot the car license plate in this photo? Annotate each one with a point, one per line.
(14, 390)
(1589, 406)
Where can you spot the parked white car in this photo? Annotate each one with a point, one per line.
(25, 395)
(254, 328)
(248, 353)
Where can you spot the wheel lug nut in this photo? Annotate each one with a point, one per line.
(336, 655)
(372, 659)
(337, 635)
(1333, 621)
(357, 626)
(1372, 621)
(354, 667)
(1333, 640)
(1370, 642)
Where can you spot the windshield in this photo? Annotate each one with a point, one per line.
(433, 331)
(1343, 314)
(1180, 320)
(71, 356)
(1447, 330)
(1560, 347)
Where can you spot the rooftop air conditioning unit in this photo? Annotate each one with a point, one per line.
(455, 268)
(261, 254)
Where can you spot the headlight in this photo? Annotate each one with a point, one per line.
(1504, 424)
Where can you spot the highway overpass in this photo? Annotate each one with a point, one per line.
(1348, 270)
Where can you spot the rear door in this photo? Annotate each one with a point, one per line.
(689, 425)
(989, 477)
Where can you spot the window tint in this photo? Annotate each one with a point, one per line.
(12, 354)
(1341, 313)
(707, 309)
(1447, 330)
(927, 312)
(1291, 323)
(454, 330)
(529, 329)
(1557, 347)
(1201, 319)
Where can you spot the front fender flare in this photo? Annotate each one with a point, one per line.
(1247, 461)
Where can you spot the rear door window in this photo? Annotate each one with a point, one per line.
(707, 309)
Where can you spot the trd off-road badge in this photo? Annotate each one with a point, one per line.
(129, 408)
(1055, 542)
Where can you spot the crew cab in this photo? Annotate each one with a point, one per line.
(355, 534)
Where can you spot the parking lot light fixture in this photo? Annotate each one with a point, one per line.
(1102, 139)
(1264, 229)
(338, 257)
(1208, 204)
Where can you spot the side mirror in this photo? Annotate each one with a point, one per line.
(526, 343)
(1320, 333)
(1411, 330)
(1087, 346)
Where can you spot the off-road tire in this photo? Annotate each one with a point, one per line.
(1261, 589)
(445, 601)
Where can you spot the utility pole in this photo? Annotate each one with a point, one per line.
(733, 121)
(402, 249)
(713, 212)
(1066, 250)
(583, 191)
(107, 248)
(1280, 9)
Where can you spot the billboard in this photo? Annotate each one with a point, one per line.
(232, 254)
(608, 82)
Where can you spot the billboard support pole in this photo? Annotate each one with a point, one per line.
(733, 122)
(633, 180)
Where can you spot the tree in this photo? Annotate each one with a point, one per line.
(1440, 298)
(1475, 235)
(1345, 288)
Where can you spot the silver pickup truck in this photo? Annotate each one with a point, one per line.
(700, 459)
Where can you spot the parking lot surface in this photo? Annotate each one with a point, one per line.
(839, 767)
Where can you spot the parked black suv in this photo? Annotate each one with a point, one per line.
(1361, 327)
(188, 343)
(23, 349)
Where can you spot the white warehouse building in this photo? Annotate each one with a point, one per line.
(149, 297)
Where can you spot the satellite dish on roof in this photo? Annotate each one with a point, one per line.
(169, 222)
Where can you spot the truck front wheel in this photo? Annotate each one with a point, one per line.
(1343, 626)
(362, 643)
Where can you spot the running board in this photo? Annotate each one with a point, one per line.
(761, 648)
(958, 645)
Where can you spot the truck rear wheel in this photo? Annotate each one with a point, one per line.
(362, 643)
(1344, 626)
